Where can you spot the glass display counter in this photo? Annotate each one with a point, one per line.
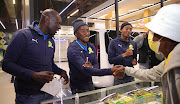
(97, 96)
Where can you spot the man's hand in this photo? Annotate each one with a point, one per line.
(43, 76)
(64, 75)
(88, 64)
(134, 61)
(119, 71)
(128, 52)
(116, 67)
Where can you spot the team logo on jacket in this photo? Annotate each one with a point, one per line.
(120, 45)
(35, 40)
(131, 47)
(90, 50)
(50, 44)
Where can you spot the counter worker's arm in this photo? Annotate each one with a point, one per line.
(75, 58)
(153, 74)
(112, 57)
(13, 52)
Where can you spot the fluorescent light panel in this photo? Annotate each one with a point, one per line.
(140, 19)
(103, 9)
(16, 24)
(74, 12)
(67, 7)
(100, 10)
(141, 9)
(103, 15)
(146, 5)
(133, 10)
(2, 25)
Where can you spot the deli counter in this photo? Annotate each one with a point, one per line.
(136, 92)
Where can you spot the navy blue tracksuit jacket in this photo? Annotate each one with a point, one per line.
(80, 77)
(116, 48)
(27, 53)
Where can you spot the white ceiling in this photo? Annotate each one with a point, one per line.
(125, 6)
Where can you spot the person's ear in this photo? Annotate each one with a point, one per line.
(121, 30)
(75, 34)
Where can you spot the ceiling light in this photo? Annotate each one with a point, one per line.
(68, 17)
(2, 25)
(142, 9)
(14, 2)
(147, 5)
(74, 12)
(67, 7)
(103, 9)
(103, 16)
(16, 24)
(121, 14)
(100, 10)
(140, 19)
(133, 10)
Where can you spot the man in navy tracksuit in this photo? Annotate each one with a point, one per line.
(80, 51)
(29, 57)
(123, 51)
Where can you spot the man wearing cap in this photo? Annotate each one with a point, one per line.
(123, 51)
(164, 37)
(80, 51)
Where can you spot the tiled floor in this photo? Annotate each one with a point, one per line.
(7, 94)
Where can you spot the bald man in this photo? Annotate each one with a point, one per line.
(29, 57)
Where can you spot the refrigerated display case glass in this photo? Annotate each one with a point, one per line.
(136, 90)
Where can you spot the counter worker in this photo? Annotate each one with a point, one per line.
(123, 51)
(29, 57)
(80, 51)
(164, 37)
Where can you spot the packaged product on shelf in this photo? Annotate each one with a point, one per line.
(116, 98)
(155, 89)
(141, 96)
